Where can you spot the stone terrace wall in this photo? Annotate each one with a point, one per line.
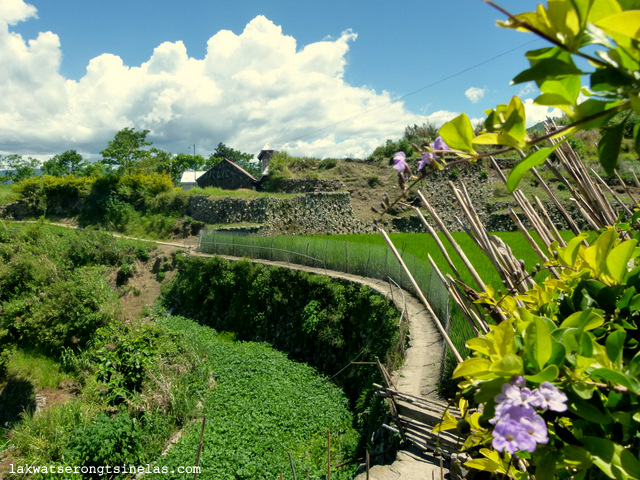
(310, 213)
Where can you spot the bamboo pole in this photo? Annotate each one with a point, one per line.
(624, 185)
(550, 225)
(439, 243)
(476, 278)
(471, 315)
(195, 473)
(554, 198)
(293, 468)
(328, 454)
(613, 194)
(421, 296)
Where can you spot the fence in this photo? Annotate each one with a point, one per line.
(363, 259)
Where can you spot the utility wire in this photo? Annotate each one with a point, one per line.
(437, 82)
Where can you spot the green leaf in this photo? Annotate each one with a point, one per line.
(458, 134)
(498, 139)
(549, 374)
(618, 259)
(515, 120)
(619, 378)
(592, 107)
(623, 23)
(614, 346)
(587, 410)
(608, 78)
(548, 69)
(484, 464)
(609, 147)
(472, 367)
(613, 459)
(576, 457)
(569, 254)
(510, 364)
(536, 158)
(537, 342)
(583, 320)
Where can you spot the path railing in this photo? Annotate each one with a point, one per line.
(363, 259)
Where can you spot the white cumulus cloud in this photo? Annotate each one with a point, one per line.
(251, 88)
(538, 113)
(475, 94)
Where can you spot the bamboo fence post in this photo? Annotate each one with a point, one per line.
(421, 296)
(293, 468)
(195, 473)
(462, 301)
(613, 194)
(554, 198)
(479, 282)
(328, 454)
(439, 243)
(551, 226)
(624, 185)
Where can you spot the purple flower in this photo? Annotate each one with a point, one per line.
(536, 428)
(439, 144)
(514, 395)
(510, 436)
(519, 428)
(547, 396)
(400, 161)
(427, 158)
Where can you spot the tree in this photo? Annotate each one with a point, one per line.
(16, 168)
(125, 150)
(424, 134)
(243, 160)
(183, 162)
(64, 163)
(390, 148)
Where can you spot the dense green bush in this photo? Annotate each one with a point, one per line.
(322, 321)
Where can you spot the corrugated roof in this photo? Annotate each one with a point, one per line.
(190, 176)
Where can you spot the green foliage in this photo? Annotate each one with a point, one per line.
(262, 407)
(63, 164)
(14, 168)
(573, 29)
(126, 149)
(243, 160)
(321, 321)
(389, 149)
(107, 440)
(578, 331)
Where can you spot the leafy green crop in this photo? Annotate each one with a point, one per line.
(263, 406)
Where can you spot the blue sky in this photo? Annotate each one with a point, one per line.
(324, 78)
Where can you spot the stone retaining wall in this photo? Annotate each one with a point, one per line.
(305, 214)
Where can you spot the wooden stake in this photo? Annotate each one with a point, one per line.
(454, 244)
(328, 454)
(421, 296)
(195, 473)
(293, 468)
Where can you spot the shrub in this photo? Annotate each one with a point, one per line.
(63, 314)
(108, 440)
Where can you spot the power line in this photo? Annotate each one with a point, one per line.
(437, 82)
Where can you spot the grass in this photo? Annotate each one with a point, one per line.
(42, 372)
(7, 195)
(240, 193)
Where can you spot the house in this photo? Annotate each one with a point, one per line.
(188, 179)
(228, 176)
